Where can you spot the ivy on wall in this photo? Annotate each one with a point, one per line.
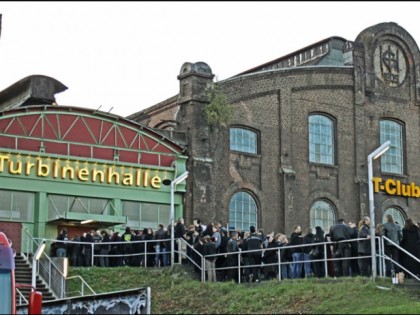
(218, 111)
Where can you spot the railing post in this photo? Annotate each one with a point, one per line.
(238, 257)
(326, 260)
(93, 254)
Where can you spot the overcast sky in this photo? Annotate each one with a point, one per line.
(125, 56)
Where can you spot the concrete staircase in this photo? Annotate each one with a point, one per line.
(23, 275)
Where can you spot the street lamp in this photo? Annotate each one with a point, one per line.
(173, 183)
(373, 156)
(36, 257)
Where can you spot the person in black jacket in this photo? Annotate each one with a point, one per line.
(354, 265)
(319, 269)
(297, 252)
(270, 259)
(340, 232)
(411, 243)
(285, 256)
(209, 248)
(61, 250)
(364, 248)
(254, 242)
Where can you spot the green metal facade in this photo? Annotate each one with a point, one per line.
(62, 165)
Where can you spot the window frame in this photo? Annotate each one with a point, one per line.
(236, 211)
(246, 129)
(312, 218)
(333, 137)
(386, 157)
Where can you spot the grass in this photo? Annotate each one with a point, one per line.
(180, 292)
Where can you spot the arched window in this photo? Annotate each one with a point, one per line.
(322, 214)
(243, 140)
(392, 160)
(321, 139)
(397, 215)
(242, 211)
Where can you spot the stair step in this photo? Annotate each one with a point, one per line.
(23, 275)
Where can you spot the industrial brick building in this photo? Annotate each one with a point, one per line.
(294, 150)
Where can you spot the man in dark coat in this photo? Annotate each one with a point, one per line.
(341, 232)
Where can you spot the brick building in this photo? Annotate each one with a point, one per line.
(295, 149)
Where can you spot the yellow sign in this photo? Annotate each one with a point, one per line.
(395, 187)
(65, 169)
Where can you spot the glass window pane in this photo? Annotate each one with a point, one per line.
(392, 160)
(243, 140)
(321, 139)
(322, 214)
(242, 211)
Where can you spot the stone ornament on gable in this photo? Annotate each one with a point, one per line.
(390, 64)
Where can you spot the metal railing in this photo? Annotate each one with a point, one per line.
(392, 261)
(184, 250)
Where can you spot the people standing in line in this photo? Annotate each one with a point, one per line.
(105, 247)
(410, 242)
(394, 233)
(150, 248)
(233, 260)
(199, 247)
(160, 247)
(243, 246)
(364, 248)
(340, 232)
(308, 238)
(140, 247)
(76, 257)
(296, 239)
(128, 237)
(270, 258)
(62, 239)
(209, 249)
(117, 250)
(87, 248)
(199, 228)
(221, 260)
(179, 231)
(254, 243)
(318, 266)
(285, 256)
(208, 230)
(354, 262)
(217, 237)
(97, 239)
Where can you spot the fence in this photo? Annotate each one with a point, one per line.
(184, 251)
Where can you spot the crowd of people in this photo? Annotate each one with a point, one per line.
(258, 254)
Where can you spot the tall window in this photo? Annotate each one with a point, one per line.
(396, 215)
(321, 139)
(392, 160)
(322, 214)
(243, 140)
(242, 211)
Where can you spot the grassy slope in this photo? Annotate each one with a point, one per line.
(179, 292)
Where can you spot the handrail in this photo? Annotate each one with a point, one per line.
(21, 297)
(84, 283)
(405, 252)
(198, 260)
